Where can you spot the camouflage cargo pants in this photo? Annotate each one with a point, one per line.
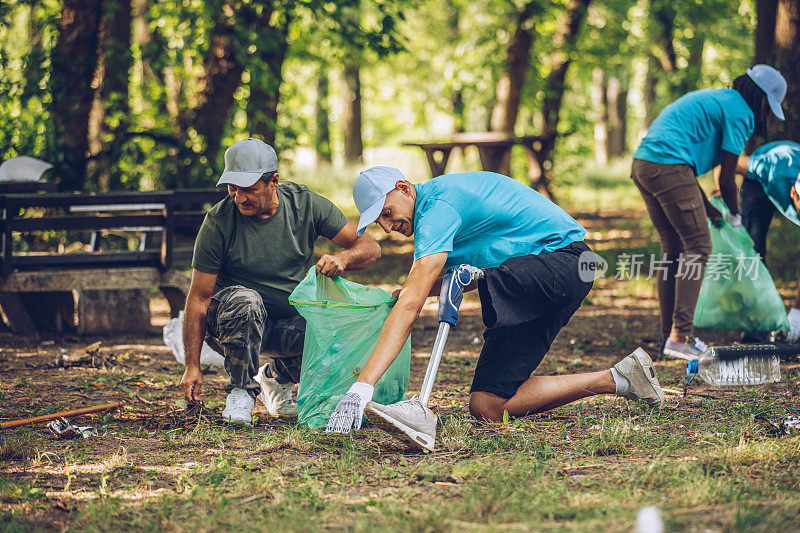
(239, 328)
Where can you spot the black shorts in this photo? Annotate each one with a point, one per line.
(525, 302)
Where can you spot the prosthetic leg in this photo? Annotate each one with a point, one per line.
(411, 421)
(453, 284)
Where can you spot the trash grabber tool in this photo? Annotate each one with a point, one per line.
(453, 283)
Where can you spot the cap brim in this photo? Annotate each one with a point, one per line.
(776, 108)
(240, 179)
(370, 215)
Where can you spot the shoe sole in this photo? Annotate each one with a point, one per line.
(650, 373)
(236, 421)
(400, 430)
(669, 352)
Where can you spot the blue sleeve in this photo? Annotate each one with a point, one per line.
(737, 126)
(436, 229)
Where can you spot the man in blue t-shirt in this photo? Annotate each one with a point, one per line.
(528, 251)
(772, 183)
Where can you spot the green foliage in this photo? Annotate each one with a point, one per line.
(427, 68)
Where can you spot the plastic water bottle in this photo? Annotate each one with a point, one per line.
(736, 365)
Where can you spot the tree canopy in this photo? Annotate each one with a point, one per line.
(145, 94)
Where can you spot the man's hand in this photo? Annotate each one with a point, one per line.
(794, 325)
(330, 265)
(350, 409)
(191, 383)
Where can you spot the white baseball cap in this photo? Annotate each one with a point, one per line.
(370, 190)
(772, 83)
(246, 161)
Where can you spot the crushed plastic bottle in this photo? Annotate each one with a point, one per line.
(736, 365)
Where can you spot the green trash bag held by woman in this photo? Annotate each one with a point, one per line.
(738, 292)
(343, 322)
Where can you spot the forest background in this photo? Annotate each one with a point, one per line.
(147, 94)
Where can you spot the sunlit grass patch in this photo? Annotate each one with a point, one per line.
(17, 446)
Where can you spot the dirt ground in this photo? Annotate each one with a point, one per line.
(153, 447)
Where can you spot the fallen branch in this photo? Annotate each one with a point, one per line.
(53, 416)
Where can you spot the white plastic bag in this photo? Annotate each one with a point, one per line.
(173, 337)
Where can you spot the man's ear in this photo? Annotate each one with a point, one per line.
(404, 186)
(274, 179)
(793, 193)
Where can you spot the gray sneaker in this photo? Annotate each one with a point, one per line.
(691, 349)
(409, 421)
(639, 370)
(277, 397)
(238, 408)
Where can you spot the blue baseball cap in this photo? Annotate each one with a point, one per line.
(370, 190)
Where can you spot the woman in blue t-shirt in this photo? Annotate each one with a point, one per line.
(691, 136)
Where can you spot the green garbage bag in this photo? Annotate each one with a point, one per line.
(737, 292)
(343, 322)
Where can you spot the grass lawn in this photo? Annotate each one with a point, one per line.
(590, 466)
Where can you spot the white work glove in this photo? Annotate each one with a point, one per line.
(350, 409)
(794, 325)
(734, 220)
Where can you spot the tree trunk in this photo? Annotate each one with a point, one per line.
(321, 112)
(457, 98)
(457, 101)
(649, 96)
(787, 60)
(222, 76)
(663, 16)
(692, 73)
(617, 106)
(265, 75)
(73, 64)
(351, 115)
(509, 87)
(662, 58)
(569, 25)
(766, 11)
(111, 111)
(599, 111)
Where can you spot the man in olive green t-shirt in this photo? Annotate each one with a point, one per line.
(253, 248)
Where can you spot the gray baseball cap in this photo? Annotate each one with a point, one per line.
(246, 161)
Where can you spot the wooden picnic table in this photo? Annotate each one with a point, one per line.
(494, 149)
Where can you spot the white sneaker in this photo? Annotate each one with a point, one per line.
(238, 408)
(691, 349)
(638, 369)
(409, 421)
(277, 397)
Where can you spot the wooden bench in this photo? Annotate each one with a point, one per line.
(54, 277)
